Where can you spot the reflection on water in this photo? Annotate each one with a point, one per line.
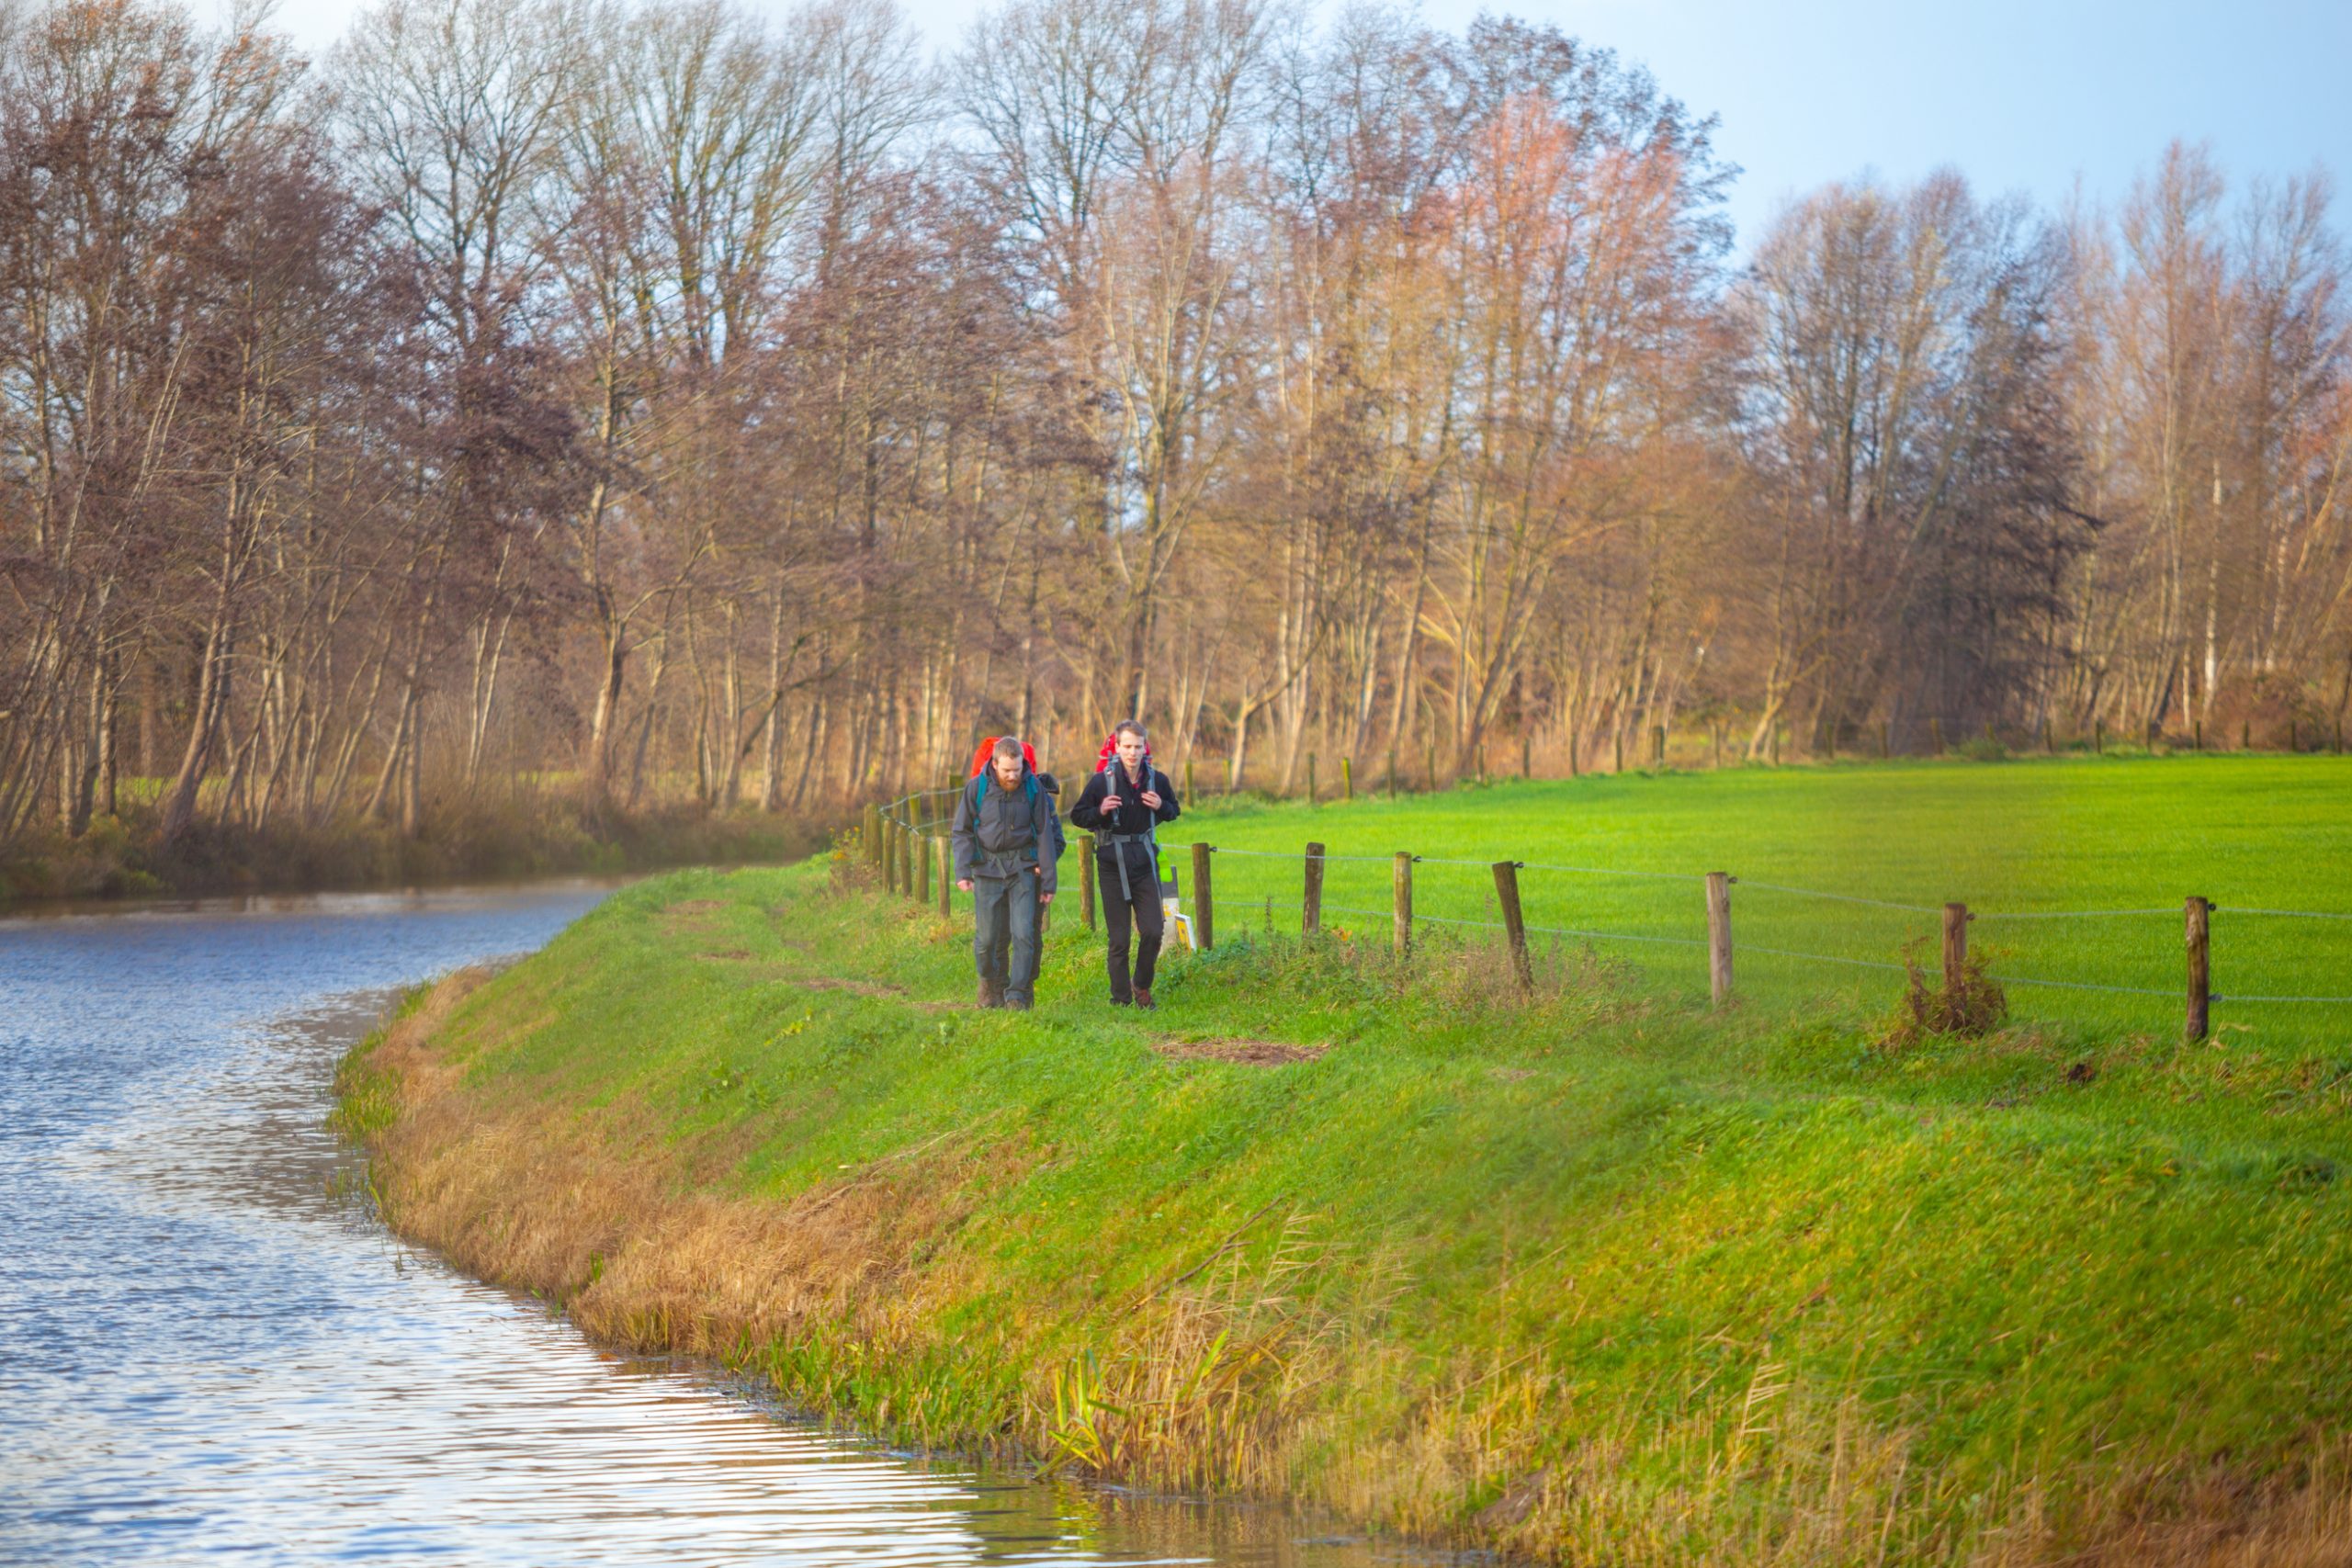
(205, 1351)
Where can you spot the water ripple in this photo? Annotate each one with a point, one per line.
(205, 1353)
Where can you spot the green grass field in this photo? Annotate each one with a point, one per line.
(1604, 1276)
(2019, 842)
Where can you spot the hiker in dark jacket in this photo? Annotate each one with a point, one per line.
(1004, 837)
(1122, 806)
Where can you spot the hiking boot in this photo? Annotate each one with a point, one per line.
(1017, 1004)
(1123, 1001)
(1143, 998)
(991, 994)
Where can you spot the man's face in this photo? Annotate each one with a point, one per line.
(1008, 770)
(1131, 751)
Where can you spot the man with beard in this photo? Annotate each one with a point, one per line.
(1004, 838)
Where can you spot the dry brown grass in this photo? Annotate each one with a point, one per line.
(1247, 1370)
(1245, 1053)
(606, 1220)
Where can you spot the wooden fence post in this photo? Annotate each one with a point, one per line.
(1402, 879)
(1428, 758)
(1348, 778)
(1310, 781)
(946, 876)
(2099, 738)
(1955, 950)
(1719, 936)
(2200, 969)
(1526, 755)
(870, 838)
(1657, 745)
(1203, 908)
(889, 854)
(1392, 771)
(1617, 742)
(1311, 916)
(1572, 752)
(1086, 882)
(923, 858)
(906, 861)
(1515, 924)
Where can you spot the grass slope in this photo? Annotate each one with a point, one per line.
(1601, 1277)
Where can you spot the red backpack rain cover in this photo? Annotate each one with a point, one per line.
(988, 748)
(1111, 750)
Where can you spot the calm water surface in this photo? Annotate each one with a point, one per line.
(207, 1354)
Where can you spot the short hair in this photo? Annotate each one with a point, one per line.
(1124, 725)
(1008, 746)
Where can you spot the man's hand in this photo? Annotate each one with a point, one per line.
(963, 884)
(1045, 897)
(1151, 797)
(1112, 803)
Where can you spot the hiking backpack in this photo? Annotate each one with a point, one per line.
(977, 782)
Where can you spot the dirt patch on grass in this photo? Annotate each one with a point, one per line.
(690, 914)
(854, 988)
(1242, 1053)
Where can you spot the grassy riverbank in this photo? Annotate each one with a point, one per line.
(1601, 1277)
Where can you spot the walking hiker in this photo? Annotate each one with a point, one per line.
(1007, 845)
(1123, 805)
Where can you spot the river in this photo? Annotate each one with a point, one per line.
(210, 1350)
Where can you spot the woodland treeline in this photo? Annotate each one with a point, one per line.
(635, 403)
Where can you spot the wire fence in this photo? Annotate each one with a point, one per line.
(1685, 920)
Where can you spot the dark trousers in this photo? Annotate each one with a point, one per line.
(1145, 915)
(1004, 931)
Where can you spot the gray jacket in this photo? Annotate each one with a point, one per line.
(1000, 833)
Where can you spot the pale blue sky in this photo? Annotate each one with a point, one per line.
(2017, 95)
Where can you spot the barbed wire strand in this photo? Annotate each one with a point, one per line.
(2233, 997)
(1783, 887)
(1839, 898)
(1269, 855)
(1600, 871)
(2283, 914)
(2066, 914)
(1821, 958)
(2080, 986)
(1540, 931)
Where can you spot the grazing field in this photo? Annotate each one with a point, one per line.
(1599, 1275)
(2076, 870)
